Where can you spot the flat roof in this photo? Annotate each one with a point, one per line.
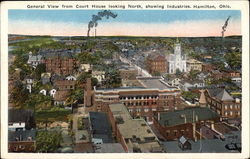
(134, 129)
(101, 126)
(109, 148)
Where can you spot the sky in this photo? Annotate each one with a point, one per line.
(165, 23)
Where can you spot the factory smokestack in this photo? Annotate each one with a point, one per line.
(99, 16)
(225, 26)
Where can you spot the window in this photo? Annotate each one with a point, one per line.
(167, 133)
(182, 132)
(231, 106)
(225, 107)
(231, 113)
(175, 133)
(225, 113)
(146, 110)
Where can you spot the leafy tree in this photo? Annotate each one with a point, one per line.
(48, 141)
(113, 78)
(193, 74)
(38, 101)
(41, 68)
(189, 95)
(234, 59)
(178, 72)
(75, 96)
(156, 73)
(19, 94)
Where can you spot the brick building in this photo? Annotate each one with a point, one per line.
(173, 125)
(134, 134)
(21, 141)
(156, 95)
(156, 63)
(223, 103)
(62, 64)
(65, 84)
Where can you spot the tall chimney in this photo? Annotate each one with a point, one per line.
(88, 93)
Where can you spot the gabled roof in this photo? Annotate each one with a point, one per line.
(169, 119)
(220, 94)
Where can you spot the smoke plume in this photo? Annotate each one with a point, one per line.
(225, 26)
(99, 16)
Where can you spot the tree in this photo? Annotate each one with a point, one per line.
(75, 96)
(178, 72)
(41, 68)
(113, 78)
(234, 60)
(189, 95)
(19, 94)
(38, 101)
(48, 141)
(193, 74)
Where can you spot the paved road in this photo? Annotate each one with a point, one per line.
(141, 71)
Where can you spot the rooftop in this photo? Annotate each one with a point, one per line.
(109, 148)
(26, 135)
(178, 117)
(220, 94)
(207, 145)
(133, 130)
(101, 129)
(20, 115)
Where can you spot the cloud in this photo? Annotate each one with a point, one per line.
(176, 28)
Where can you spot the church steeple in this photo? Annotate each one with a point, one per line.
(177, 40)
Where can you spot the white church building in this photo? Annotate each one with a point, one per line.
(177, 60)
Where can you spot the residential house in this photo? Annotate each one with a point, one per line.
(186, 85)
(85, 68)
(99, 75)
(70, 78)
(193, 64)
(35, 60)
(45, 78)
(61, 96)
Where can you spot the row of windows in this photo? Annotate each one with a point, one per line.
(176, 132)
(139, 97)
(141, 110)
(232, 106)
(231, 113)
(140, 103)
